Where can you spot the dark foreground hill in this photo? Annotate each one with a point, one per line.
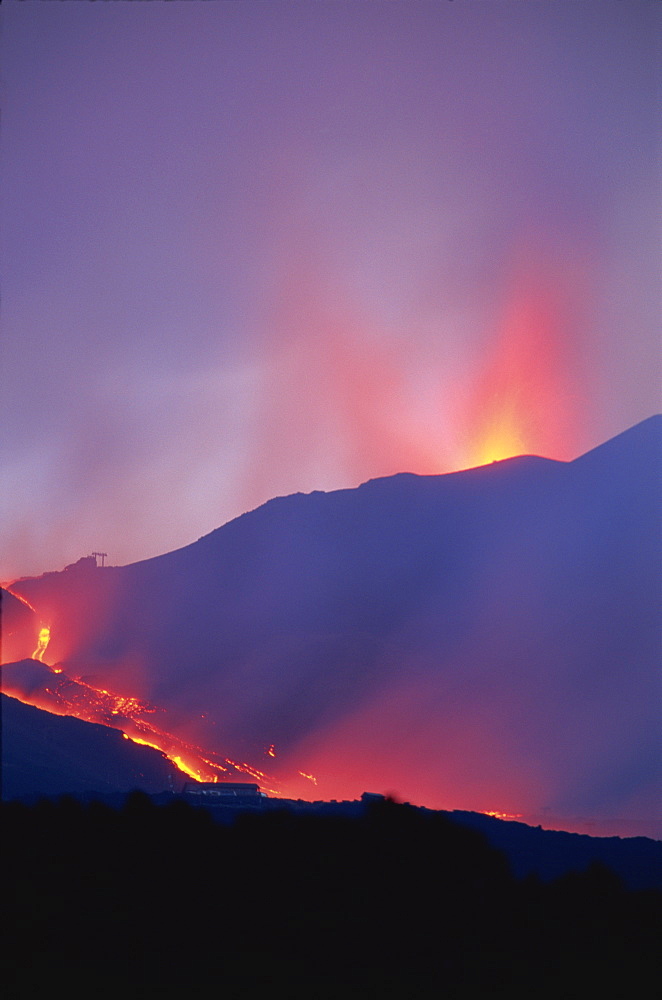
(483, 640)
(45, 754)
(549, 854)
(397, 902)
(49, 756)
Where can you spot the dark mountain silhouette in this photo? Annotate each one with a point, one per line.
(44, 754)
(550, 854)
(485, 639)
(394, 902)
(47, 756)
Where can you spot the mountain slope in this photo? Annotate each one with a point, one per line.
(19, 627)
(44, 754)
(482, 640)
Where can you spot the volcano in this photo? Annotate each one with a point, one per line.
(46, 755)
(484, 640)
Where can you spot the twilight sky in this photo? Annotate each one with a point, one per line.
(256, 248)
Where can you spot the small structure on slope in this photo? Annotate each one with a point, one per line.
(223, 793)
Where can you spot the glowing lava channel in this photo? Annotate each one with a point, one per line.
(500, 815)
(42, 643)
(62, 695)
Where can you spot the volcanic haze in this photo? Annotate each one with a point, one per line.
(484, 640)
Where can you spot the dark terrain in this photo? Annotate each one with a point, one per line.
(395, 902)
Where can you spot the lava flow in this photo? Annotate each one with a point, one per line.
(52, 690)
(42, 644)
(501, 815)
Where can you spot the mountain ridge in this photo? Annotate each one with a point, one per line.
(500, 624)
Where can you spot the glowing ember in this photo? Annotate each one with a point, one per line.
(247, 769)
(19, 597)
(145, 743)
(183, 766)
(42, 644)
(309, 777)
(500, 815)
(213, 764)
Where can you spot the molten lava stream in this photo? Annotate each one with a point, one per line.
(42, 643)
(78, 698)
(57, 693)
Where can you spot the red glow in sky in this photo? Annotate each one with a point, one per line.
(526, 397)
(258, 249)
(267, 248)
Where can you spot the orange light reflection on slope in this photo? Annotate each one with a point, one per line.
(459, 760)
(59, 694)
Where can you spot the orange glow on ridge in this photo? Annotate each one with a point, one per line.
(183, 766)
(500, 815)
(65, 696)
(519, 402)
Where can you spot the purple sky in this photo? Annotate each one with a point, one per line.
(255, 248)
